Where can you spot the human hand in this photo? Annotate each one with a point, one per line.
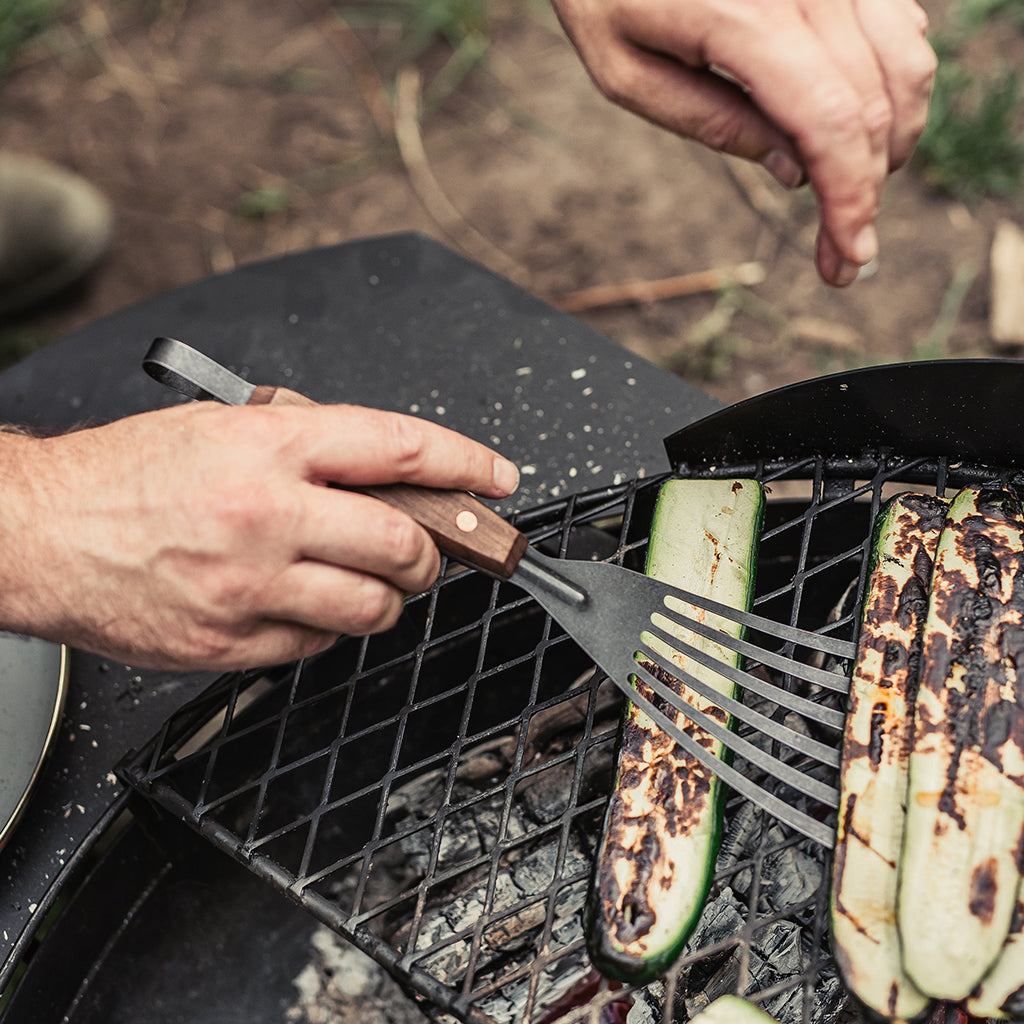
(834, 92)
(205, 537)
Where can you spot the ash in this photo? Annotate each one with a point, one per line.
(342, 985)
(539, 888)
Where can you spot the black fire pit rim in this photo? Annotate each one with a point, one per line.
(957, 408)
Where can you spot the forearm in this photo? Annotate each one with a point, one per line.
(32, 559)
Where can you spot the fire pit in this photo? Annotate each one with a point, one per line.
(434, 794)
(86, 883)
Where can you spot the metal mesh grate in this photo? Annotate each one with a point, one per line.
(435, 794)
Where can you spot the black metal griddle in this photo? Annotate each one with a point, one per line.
(434, 794)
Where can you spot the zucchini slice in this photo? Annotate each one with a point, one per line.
(1000, 994)
(662, 826)
(876, 749)
(964, 836)
(732, 1010)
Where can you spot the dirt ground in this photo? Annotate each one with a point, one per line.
(228, 132)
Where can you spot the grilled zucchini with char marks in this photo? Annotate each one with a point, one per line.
(964, 837)
(662, 827)
(876, 749)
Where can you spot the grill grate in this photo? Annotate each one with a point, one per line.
(434, 794)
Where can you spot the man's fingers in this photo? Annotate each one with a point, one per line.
(644, 57)
(832, 265)
(701, 105)
(821, 110)
(355, 446)
(831, 91)
(799, 87)
(840, 32)
(345, 529)
(896, 30)
(271, 643)
(334, 600)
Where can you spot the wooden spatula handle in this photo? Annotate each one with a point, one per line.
(267, 395)
(459, 524)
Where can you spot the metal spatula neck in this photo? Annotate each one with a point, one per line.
(539, 571)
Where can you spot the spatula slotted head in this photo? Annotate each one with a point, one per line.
(630, 623)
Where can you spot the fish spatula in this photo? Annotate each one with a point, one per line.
(621, 619)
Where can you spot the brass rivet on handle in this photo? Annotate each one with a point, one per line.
(466, 521)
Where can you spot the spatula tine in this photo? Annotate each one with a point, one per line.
(779, 769)
(781, 809)
(809, 709)
(824, 643)
(755, 754)
(801, 743)
(770, 659)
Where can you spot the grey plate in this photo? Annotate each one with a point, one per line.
(33, 684)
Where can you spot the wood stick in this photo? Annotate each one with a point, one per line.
(632, 292)
(434, 199)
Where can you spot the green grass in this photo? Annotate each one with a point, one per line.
(420, 25)
(422, 22)
(973, 144)
(975, 14)
(259, 203)
(20, 21)
(972, 147)
(717, 340)
(935, 344)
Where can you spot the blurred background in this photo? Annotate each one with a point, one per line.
(228, 131)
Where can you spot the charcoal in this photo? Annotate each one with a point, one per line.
(567, 928)
(789, 1006)
(540, 886)
(536, 871)
(508, 1005)
(779, 944)
(647, 1003)
(791, 878)
(443, 961)
(742, 829)
(704, 990)
(831, 1005)
(460, 841)
(720, 919)
(545, 796)
(762, 972)
(458, 845)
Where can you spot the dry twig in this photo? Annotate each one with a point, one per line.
(632, 292)
(779, 209)
(426, 187)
